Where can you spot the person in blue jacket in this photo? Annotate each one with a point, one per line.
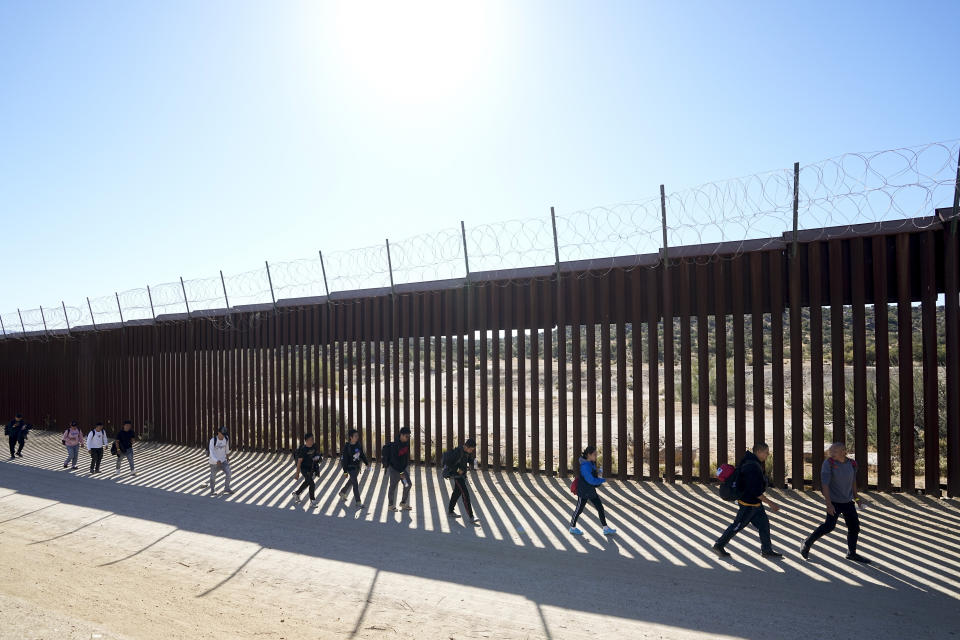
(588, 479)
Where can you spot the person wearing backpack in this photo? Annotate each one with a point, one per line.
(456, 463)
(124, 444)
(838, 479)
(586, 483)
(350, 459)
(397, 460)
(72, 440)
(219, 448)
(307, 458)
(96, 442)
(751, 482)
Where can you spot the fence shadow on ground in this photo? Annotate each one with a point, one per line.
(657, 568)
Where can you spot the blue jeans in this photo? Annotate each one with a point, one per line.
(757, 516)
(129, 455)
(72, 451)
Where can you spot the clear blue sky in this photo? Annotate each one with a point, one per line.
(141, 141)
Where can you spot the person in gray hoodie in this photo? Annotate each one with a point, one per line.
(838, 479)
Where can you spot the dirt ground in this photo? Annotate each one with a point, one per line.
(151, 556)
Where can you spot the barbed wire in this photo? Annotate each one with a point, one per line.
(841, 193)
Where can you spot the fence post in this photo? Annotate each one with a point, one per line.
(796, 207)
(956, 198)
(22, 328)
(466, 260)
(224, 283)
(119, 308)
(65, 318)
(92, 319)
(3, 328)
(186, 303)
(150, 297)
(556, 244)
(270, 282)
(663, 217)
(390, 267)
(44, 320)
(323, 270)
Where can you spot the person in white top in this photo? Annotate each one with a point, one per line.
(96, 441)
(219, 448)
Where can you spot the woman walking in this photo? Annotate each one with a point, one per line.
(72, 439)
(587, 481)
(96, 441)
(838, 477)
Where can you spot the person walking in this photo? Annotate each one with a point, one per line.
(219, 449)
(397, 461)
(838, 479)
(307, 458)
(72, 440)
(96, 442)
(456, 463)
(752, 482)
(13, 431)
(587, 480)
(350, 459)
(124, 444)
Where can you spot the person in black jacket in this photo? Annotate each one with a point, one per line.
(397, 462)
(308, 459)
(124, 442)
(456, 463)
(14, 430)
(350, 460)
(752, 483)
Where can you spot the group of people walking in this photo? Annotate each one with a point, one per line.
(73, 439)
(837, 475)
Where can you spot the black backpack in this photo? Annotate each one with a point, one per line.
(385, 453)
(729, 489)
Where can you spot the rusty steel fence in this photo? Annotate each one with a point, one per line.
(671, 363)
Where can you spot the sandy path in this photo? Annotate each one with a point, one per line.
(163, 561)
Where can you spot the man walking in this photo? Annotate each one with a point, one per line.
(397, 461)
(13, 431)
(124, 442)
(456, 463)
(219, 449)
(350, 460)
(72, 439)
(96, 442)
(752, 482)
(307, 458)
(838, 477)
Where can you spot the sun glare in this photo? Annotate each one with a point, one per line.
(413, 52)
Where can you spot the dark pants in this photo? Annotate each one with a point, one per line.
(460, 489)
(13, 445)
(96, 455)
(308, 481)
(582, 502)
(20, 440)
(849, 512)
(757, 516)
(352, 484)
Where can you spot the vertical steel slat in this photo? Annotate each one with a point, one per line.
(839, 386)
(776, 284)
(606, 383)
(623, 442)
(669, 397)
(703, 371)
(905, 357)
(653, 366)
(739, 358)
(589, 286)
(522, 302)
(815, 267)
(931, 413)
(429, 455)
(494, 322)
(952, 344)
(857, 290)
(547, 316)
(483, 305)
(686, 383)
(636, 358)
(796, 371)
(757, 355)
(508, 406)
(882, 344)
(534, 323)
(576, 362)
(439, 443)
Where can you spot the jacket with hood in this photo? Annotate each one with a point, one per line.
(752, 481)
(588, 479)
(72, 436)
(352, 456)
(399, 455)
